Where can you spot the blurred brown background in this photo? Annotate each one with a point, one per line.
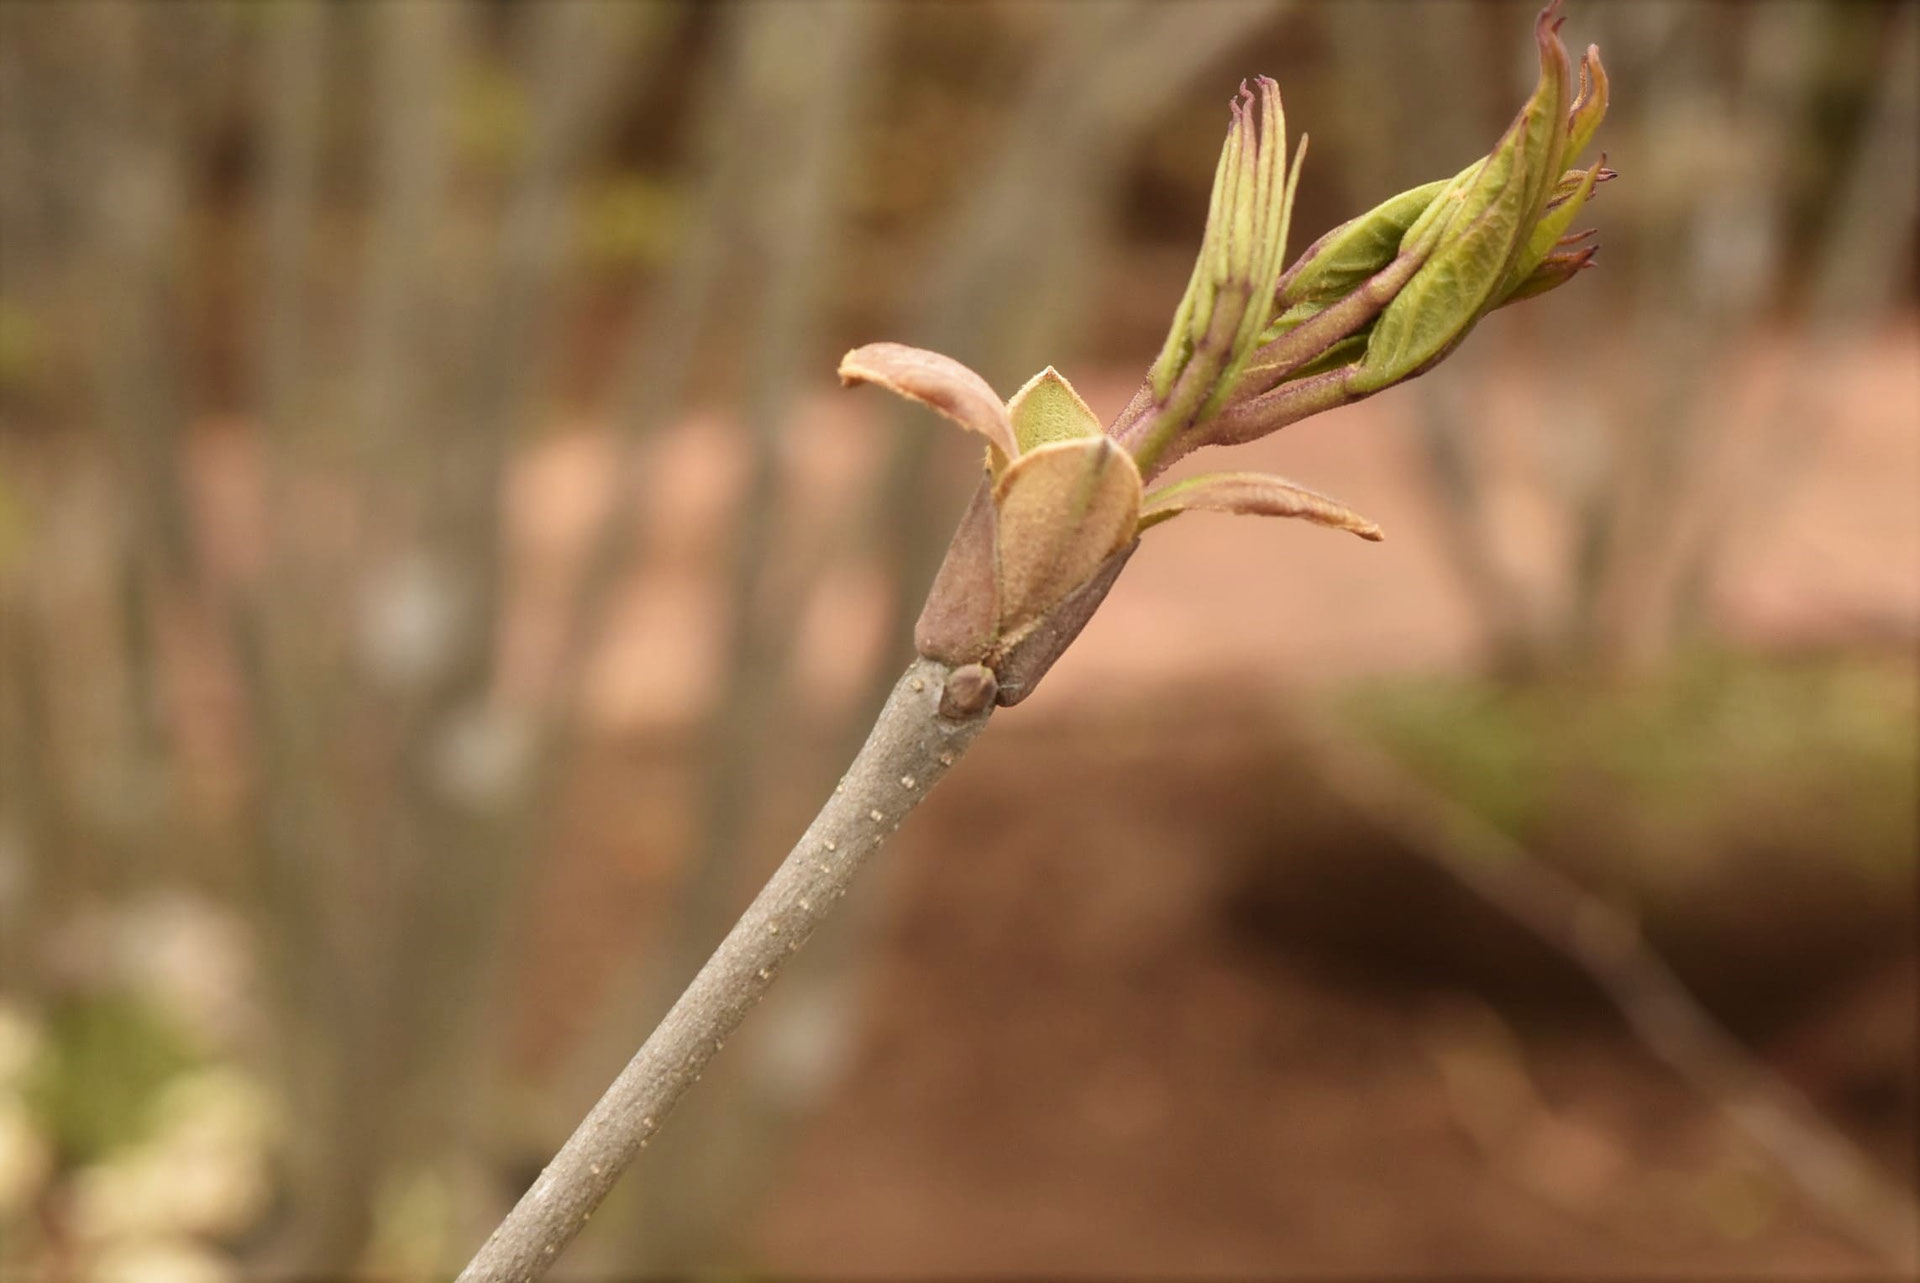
(438, 575)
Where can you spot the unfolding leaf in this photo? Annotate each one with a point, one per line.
(1254, 493)
(1064, 509)
(1345, 352)
(1552, 226)
(1553, 271)
(1230, 298)
(1482, 222)
(1325, 327)
(1590, 107)
(1425, 231)
(1350, 253)
(1047, 409)
(938, 382)
(1333, 265)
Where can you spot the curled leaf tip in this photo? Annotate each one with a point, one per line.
(938, 382)
(1589, 105)
(1253, 494)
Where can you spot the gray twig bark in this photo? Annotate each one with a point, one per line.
(913, 744)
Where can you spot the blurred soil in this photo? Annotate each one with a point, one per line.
(1147, 1002)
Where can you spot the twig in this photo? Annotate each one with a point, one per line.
(660, 358)
(912, 746)
(804, 128)
(664, 348)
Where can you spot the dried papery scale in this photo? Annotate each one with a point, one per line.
(1062, 503)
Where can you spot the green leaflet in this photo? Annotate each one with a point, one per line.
(1277, 200)
(1230, 296)
(1590, 107)
(1553, 271)
(1445, 295)
(1047, 409)
(1483, 223)
(1349, 254)
(1191, 318)
(1547, 232)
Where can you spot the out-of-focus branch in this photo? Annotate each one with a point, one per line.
(1860, 270)
(660, 356)
(137, 214)
(33, 815)
(414, 51)
(797, 119)
(291, 90)
(347, 1074)
(1866, 262)
(1702, 295)
(1502, 605)
(1422, 43)
(262, 628)
(1607, 945)
(661, 352)
(799, 124)
(577, 54)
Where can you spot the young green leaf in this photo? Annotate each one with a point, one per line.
(1230, 297)
(1553, 224)
(1332, 266)
(1047, 409)
(1483, 226)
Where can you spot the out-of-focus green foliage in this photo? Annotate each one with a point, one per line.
(630, 220)
(107, 1058)
(1719, 753)
(19, 335)
(492, 117)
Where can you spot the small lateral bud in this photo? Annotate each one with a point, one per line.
(970, 691)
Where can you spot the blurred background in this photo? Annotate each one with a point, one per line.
(439, 575)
